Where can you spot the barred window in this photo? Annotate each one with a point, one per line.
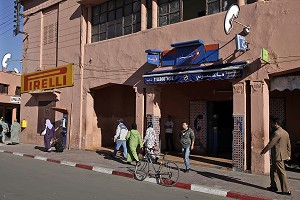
(18, 91)
(149, 13)
(169, 12)
(216, 6)
(173, 11)
(3, 89)
(115, 18)
(250, 1)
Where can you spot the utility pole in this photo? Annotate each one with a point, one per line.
(17, 15)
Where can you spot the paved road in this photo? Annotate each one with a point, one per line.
(24, 178)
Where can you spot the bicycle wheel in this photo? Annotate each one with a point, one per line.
(141, 170)
(169, 174)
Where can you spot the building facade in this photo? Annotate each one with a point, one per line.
(10, 96)
(112, 78)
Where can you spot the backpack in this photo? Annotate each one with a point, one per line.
(59, 147)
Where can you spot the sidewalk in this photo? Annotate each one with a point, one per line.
(201, 178)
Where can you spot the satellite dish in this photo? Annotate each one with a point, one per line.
(5, 59)
(231, 16)
(16, 70)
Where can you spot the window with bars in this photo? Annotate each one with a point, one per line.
(173, 11)
(3, 89)
(149, 13)
(250, 1)
(169, 12)
(115, 18)
(216, 6)
(18, 91)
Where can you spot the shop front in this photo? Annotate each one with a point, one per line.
(195, 90)
(44, 93)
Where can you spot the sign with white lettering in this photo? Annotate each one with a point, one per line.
(200, 76)
(241, 43)
(15, 100)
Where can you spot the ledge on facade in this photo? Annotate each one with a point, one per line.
(90, 2)
(59, 109)
(54, 92)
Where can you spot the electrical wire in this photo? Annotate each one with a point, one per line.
(6, 21)
(7, 31)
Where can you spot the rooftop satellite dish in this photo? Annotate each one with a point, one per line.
(16, 70)
(5, 59)
(231, 16)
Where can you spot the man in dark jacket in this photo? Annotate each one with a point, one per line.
(280, 151)
(187, 139)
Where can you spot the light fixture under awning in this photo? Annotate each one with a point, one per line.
(200, 73)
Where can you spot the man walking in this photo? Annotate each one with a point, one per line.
(187, 139)
(120, 138)
(169, 133)
(280, 151)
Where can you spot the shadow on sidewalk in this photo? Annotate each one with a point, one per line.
(203, 159)
(40, 148)
(228, 179)
(210, 161)
(108, 155)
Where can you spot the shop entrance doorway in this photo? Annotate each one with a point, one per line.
(220, 127)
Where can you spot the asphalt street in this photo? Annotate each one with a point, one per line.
(24, 178)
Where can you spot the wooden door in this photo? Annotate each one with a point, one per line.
(45, 111)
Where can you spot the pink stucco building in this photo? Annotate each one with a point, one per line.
(106, 42)
(10, 92)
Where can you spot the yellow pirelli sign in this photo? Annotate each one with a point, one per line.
(58, 77)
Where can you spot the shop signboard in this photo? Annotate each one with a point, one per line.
(191, 77)
(241, 43)
(265, 55)
(193, 52)
(58, 77)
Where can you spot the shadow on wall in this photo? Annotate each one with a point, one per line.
(31, 102)
(77, 13)
(253, 67)
(136, 79)
(110, 104)
(31, 4)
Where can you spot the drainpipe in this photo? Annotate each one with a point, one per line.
(81, 78)
(57, 25)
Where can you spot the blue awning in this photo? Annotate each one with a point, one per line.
(200, 73)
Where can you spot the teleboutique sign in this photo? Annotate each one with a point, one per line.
(58, 77)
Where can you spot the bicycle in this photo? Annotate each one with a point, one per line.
(167, 172)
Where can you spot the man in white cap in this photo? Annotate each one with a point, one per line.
(120, 139)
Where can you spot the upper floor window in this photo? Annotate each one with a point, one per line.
(215, 6)
(18, 91)
(173, 11)
(169, 12)
(3, 88)
(251, 1)
(149, 13)
(115, 18)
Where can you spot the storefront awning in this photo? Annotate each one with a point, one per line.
(285, 83)
(199, 73)
(62, 110)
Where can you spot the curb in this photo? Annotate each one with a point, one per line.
(186, 186)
